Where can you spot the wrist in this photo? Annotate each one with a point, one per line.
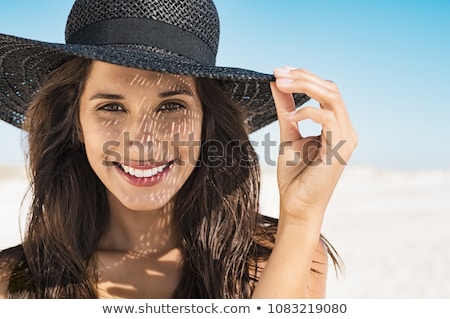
(309, 223)
(298, 234)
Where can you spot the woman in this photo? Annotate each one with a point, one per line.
(144, 182)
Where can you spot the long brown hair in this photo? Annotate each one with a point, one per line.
(69, 208)
(222, 234)
(217, 209)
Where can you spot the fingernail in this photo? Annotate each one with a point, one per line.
(281, 71)
(285, 81)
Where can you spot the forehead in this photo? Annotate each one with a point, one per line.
(106, 74)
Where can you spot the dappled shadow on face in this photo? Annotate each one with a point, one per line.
(142, 132)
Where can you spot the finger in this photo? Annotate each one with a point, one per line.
(320, 116)
(284, 103)
(305, 76)
(301, 81)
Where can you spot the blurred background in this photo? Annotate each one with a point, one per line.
(390, 214)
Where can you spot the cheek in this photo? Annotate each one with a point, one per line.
(102, 142)
(186, 139)
(177, 124)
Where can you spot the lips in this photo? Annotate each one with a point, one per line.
(144, 174)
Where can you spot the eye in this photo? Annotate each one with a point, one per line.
(171, 106)
(112, 107)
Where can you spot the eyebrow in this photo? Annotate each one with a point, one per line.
(108, 96)
(175, 92)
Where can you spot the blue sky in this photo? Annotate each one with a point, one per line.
(390, 59)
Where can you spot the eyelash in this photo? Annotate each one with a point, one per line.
(171, 106)
(112, 107)
(165, 107)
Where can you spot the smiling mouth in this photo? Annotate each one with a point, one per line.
(145, 173)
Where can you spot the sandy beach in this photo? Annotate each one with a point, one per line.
(391, 229)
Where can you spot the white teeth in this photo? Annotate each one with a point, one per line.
(140, 173)
(147, 173)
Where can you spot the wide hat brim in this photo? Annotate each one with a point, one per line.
(25, 63)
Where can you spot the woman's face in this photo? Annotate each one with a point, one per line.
(142, 132)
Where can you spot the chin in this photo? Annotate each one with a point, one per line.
(147, 202)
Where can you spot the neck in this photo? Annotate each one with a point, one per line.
(140, 233)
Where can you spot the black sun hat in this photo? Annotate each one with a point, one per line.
(172, 36)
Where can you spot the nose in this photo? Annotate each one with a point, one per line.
(139, 138)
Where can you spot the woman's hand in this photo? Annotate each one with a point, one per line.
(309, 167)
(308, 170)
